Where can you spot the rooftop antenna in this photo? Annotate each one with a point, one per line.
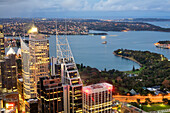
(65, 27)
(66, 36)
(24, 31)
(56, 27)
(59, 53)
(33, 23)
(56, 34)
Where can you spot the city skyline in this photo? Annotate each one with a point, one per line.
(104, 9)
(121, 62)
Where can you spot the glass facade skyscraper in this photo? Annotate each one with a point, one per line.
(50, 95)
(35, 62)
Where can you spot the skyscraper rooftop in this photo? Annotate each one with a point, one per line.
(97, 87)
(37, 36)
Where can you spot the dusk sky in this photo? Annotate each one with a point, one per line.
(106, 9)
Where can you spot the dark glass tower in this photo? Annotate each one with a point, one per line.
(50, 95)
(8, 74)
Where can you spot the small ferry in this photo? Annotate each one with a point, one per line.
(105, 42)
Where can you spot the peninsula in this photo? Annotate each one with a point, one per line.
(154, 71)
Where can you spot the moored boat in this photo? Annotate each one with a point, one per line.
(105, 42)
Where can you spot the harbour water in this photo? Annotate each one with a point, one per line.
(90, 51)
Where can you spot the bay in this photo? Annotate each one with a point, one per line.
(90, 51)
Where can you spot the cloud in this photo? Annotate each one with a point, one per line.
(14, 7)
(72, 5)
(123, 5)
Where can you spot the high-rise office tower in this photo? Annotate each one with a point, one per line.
(35, 61)
(2, 48)
(50, 95)
(97, 98)
(73, 85)
(8, 74)
(69, 76)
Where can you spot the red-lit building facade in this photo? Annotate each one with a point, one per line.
(97, 98)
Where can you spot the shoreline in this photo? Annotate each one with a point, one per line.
(58, 34)
(128, 59)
